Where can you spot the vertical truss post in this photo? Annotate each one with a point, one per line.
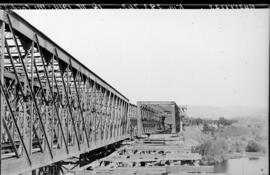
(121, 118)
(53, 131)
(108, 116)
(84, 104)
(112, 118)
(89, 103)
(148, 122)
(118, 118)
(103, 114)
(2, 57)
(100, 114)
(105, 104)
(115, 119)
(101, 97)
(149, 129)
(144, 122)
(70, 109)
(69, 114)
(100, 106)
(173, 119)
(93, 112)
(126, 119)
(96, 113)
(31, 101)
(24, 128)
(48, 116)
(115, 116)
(139, 119)
(88, 90)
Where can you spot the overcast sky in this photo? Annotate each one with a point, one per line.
(194, 57)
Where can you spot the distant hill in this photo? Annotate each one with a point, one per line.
(213, 112)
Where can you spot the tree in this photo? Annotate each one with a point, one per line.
(208, 129)
(253, 146)
(213, 150)
(224, 122)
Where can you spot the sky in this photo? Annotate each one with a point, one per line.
(193, 57)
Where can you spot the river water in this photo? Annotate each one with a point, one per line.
(244, 166)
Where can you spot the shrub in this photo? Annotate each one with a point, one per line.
(253, 146)
(208, 129)
(213, 150)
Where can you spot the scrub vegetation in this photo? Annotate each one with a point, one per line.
(219, 140)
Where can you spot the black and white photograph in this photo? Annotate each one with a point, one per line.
(134, 89)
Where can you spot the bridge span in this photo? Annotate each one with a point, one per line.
(52, 107)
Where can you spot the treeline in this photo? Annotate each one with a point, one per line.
(189, 121)
(209, 125)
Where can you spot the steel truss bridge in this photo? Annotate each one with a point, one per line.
(52, 107)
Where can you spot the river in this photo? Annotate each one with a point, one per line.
(244, 166)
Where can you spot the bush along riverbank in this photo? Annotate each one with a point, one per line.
(217, 150)
(229, 141)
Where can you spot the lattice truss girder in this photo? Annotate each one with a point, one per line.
(51, 110)
(150, 118)
(133, 120)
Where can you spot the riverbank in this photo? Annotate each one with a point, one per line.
(245, 155)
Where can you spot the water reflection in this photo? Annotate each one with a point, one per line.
(244, 166)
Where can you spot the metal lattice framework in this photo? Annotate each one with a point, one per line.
(149, 119)
(133, 120)
(168, 111)
(52, 106)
